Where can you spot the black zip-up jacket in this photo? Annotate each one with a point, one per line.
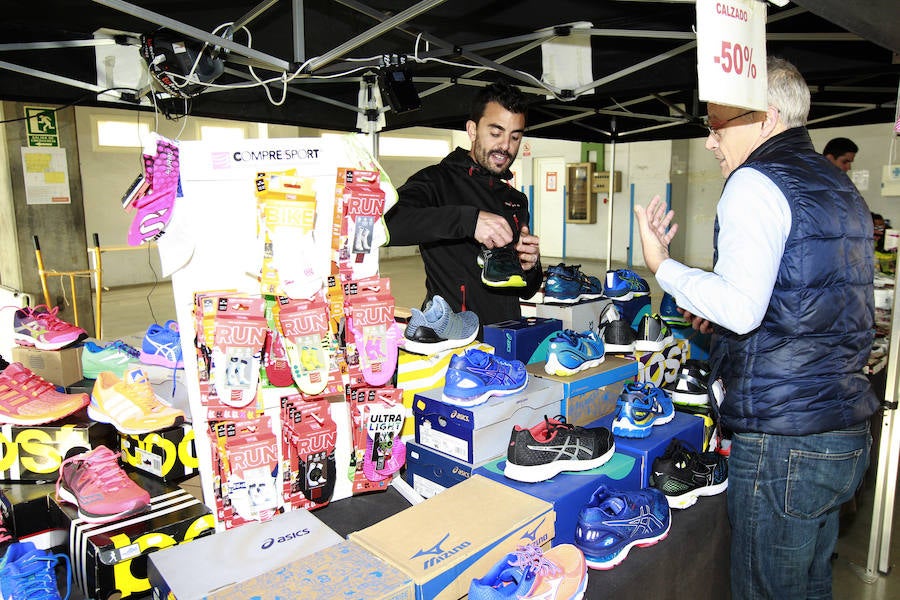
(438, 209)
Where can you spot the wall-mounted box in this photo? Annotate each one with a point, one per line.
(581, 204)
(600, 182)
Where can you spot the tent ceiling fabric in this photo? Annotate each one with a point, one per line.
(853, 78)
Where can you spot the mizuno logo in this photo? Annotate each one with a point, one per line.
(436, 549)
(435, 554)
(531, 535)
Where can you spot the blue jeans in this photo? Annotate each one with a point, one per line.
(784, 500)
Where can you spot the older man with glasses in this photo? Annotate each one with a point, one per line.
(790, 304)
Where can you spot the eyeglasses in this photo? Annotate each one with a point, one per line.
(714, 131)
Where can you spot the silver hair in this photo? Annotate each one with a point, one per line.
(788, 92)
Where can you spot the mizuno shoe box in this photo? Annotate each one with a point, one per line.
(430, 472)
(109, 560)
(578, 317)
(592, 393)
(569, 492)
(460, 534)
(481, 433)
(169, 454)
(523, 339)
(210, 567)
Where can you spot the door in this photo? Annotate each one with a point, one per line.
(549, 208)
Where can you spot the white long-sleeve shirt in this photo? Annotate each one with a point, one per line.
(754, 223)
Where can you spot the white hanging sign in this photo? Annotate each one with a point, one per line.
(731, 52)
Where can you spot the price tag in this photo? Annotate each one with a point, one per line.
(731, 52)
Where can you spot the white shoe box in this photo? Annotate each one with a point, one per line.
(577, 317)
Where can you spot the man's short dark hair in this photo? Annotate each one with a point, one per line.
(839, 147)
(505, 94)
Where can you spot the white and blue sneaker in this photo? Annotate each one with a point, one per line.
(639, 408)
(624, 284)
(567, 284)
(475, 376)
(570, 352)
(28, 573)
(438, 328)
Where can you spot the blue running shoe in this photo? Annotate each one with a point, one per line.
(668, 311)
(27, 573)
(162, 346)
(560, 573)
(570, 352)
(624, 284)
(567, 284)
(614, 521)
(475, 376)
(639, 408)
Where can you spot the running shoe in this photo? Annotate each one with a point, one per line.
(554, 446)
(41, 328)
(668, 310)
(570, 352)
(652, 334)
(567, 284)
(691, 385)
(684, 475)
(624, 284)
(26, 399)
(438, 328)
(162, 346)
(560, 573)
(96, 483)
(475, 376)
(118, 358)
(614, 521)
(500, 267)
(640, 407)
(130, 404)
(27, 573)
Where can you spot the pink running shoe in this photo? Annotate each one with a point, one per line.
(26, 399)
(96, 483)
(41, 328)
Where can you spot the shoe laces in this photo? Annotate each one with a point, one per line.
(37, 576)
(141, 392)
(32, 384)
(49, 319)
(127, 349)
(531, 558)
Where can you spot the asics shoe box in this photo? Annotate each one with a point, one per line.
(430, 472)
(34, 453)
(209, 567)
(685, 427)
(522, 339)
(460, 534)
(578, 317)
(109, 560)
(592, 393)
(569, 492)
(168, 454)
(480, 433)
(344, 570)
(661, 368)
(59, 367)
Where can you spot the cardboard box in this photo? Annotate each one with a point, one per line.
(59, 367)
(34, 453)
(169, 454)
(346, 569)
(109, 560)
(430, 472)
(448, 540)
(28, 515)
(661, 368)
(592, 393)
(578, 317)
(211, 566)
(481, 433)
(524, 339)
(569, 492)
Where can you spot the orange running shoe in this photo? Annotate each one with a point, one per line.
(130, 404)
(529, 572)
(27, 399)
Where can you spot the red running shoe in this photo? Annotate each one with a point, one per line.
(26, 399)
(96, 483)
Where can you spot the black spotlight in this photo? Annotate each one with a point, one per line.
(395, 82)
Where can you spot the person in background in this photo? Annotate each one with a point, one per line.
(878, 231)
(841, 151)
(790, 336)
(459, 208)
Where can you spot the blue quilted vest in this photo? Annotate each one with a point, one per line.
(800, 371)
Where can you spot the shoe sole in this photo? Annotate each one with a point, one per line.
(689, 399)
(690, 498)
(534, 474)
(96, 414)
(429, 349)
(160, 361)
(573, 300)
(481, 399)
(514, 281)
(67, 496)
(653, 345)
(553, 366)
(30, 342)
(623, 553)
(618, 349)
(625, 428)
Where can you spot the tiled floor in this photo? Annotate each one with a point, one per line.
(130, 310)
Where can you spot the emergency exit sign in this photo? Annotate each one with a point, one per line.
(40, 125)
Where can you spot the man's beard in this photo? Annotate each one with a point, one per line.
(483, 158)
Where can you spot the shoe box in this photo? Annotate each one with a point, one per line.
(632, 311)
(212, 566)
(354, 571)
(109, 560)
(592, 393)
(480, 433)
(446, 541)
(417, 372)
(168, 454)
(26, 513)
(59, 367)
(685, 427)
(521, 339)
(34, 452)
(578, 317)
(430, 472)
(569, 492)
(699, 342)
(661, 367)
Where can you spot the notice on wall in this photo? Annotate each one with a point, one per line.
(46, 175)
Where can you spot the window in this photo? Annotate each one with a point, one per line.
(217, 133)
(121, 134)
(417, 147)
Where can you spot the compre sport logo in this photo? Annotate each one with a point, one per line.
(435, 554)
(284, 538)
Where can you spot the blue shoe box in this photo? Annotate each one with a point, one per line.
(430, 472)
(522, 339)
(480, 433)
(685, 427)
(569, 492)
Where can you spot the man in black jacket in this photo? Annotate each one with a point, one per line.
(458, 208)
